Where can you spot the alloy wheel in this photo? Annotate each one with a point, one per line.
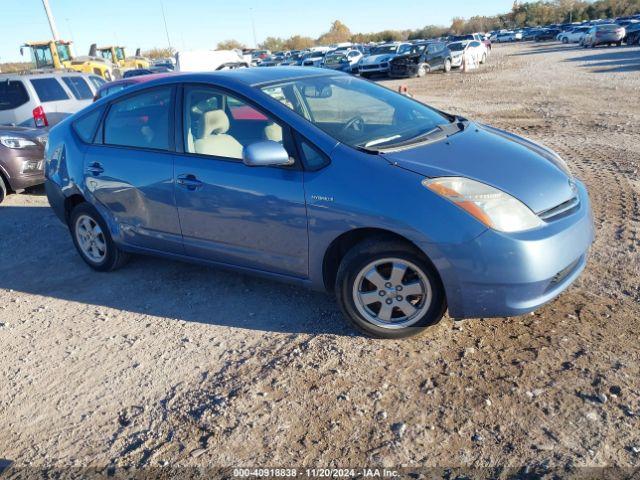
(91, 239)
(392, 293)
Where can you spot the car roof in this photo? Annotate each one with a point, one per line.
(250, 77)
(18, 76)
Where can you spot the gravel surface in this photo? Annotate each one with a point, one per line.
(165, 363)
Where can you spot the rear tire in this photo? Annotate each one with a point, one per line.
(410, 291)
(92, 239)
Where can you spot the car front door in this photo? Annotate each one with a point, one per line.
(129, 169)
(253, 217)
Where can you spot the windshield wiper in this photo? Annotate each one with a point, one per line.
(441, 132)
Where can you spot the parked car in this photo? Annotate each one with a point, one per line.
(315, 58)
(139, 72)
(44, 99)
(473, 50)
(119, 85)
(379, 59)
(422, 59)
(261, 170)
(605, 34)
(343, 60)
(21, 159)
(574, 35)
(546, 34)
(504, 37)
(633, 34)
(274, 60)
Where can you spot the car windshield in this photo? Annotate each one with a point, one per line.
(456, 47)
(335, 59)
(358, 113)
(384, 49)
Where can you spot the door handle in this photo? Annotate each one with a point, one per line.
(190, 182)
(95, 169)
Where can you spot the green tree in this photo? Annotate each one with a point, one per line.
(338, 33)
(273, 44)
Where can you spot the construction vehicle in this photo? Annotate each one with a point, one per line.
(118, 56)
(58, 55)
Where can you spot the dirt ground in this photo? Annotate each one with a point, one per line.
(168, 364)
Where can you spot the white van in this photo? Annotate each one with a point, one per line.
(209, 60)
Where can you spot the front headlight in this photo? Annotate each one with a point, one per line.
(494, 208)
(16, 142)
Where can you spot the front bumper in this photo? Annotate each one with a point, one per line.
(13, 161)
(503, 275)
(403, 71)
(375, 68)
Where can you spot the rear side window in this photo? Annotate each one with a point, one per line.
(86, 126)
(97, 81)
(49, 89)
(141, 121)
(78, 87)
(12, 94)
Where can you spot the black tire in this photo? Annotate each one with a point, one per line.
(565, 40)
(365, 75)
(358, 258)
(114, 258)
(3, 190)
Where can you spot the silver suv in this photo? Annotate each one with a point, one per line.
(44, 99)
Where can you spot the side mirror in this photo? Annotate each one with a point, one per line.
(266, 154)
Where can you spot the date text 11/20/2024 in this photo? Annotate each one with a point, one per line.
(315, 472)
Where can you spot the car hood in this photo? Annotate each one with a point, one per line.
(24, 132)
(408, 57)
(377, 58)
(531, 173)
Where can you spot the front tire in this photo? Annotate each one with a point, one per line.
(93, 241)
(447, 66)
(3, 190)
(387, 289)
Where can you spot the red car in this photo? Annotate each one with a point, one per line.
(117, 85)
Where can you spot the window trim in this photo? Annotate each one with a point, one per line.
(287, 130)
(171, 148)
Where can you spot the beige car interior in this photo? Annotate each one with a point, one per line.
(213, 137)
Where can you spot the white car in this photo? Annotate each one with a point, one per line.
(472, 51)
(575, 35)
(503, 37)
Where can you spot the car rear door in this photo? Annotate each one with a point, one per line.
(129, 169)
(253, 217)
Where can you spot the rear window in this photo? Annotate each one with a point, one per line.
(49, 89)
(12, 94)
(78, 87)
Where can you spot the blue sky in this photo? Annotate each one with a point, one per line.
(203, 23)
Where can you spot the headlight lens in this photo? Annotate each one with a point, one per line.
(16, 142)
(494, 208)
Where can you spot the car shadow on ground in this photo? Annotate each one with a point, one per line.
(615, 59)
(542, 48)
(38, 258)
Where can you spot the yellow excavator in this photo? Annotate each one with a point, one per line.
(118, 56)
(58, 55)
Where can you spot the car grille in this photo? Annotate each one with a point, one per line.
(369, 67)
(561, 210)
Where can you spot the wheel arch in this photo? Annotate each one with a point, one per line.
(343, 243)
(70, 203)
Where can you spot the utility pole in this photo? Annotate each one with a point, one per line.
(253, 27)
(166, 29)
(52, 22)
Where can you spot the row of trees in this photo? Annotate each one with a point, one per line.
(522, 14)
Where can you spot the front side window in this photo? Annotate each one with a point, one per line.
(97, 81)
(141, 121)
(219, 125)
(64, 53)
(78, 87)
(49, 89)
(356, 112)
(42, 56)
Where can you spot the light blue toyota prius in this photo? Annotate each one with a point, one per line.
(325, 180)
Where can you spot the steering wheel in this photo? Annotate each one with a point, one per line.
(355, 123)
